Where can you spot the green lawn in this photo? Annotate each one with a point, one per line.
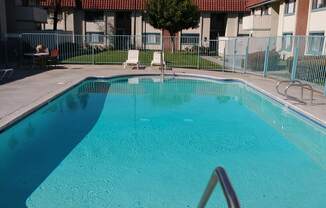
(177, 59)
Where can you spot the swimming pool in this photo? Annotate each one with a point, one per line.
(137, 142)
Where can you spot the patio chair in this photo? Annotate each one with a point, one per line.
(157, 59)
(53, 57)
(133, 59)
(4, 72)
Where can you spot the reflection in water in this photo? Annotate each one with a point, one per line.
(170, 93)
(173, 92)
(32, 149)
(223, 99)
(288, 125)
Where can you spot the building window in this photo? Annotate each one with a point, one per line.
(316, 4)
(287, 41)
(151, 38)
(190, 38)
(316, 43)
(289, 7)
(94, 16)
(95, 37)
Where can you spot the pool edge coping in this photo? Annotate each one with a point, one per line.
(11, 119)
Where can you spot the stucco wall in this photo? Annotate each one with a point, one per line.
(317, 21)
(275, 7)
(287, 23)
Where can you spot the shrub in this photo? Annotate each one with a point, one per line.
(256, 60)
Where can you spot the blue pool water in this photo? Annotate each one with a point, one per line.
(140, 143)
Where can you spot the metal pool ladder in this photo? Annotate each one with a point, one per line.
(219, 176)
(295, 83)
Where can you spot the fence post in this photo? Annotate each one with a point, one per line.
(266, 60)
(93, 54)
(198, 55)
(21, 52)
(57, 39)
(224, 58)
(246, 57)
(5, 39)
(295, 63)
(234, 53)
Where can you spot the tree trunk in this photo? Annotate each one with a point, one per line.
(172, 41)
(55, 20)
(56, 11)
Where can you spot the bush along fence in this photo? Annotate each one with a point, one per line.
(287, 57)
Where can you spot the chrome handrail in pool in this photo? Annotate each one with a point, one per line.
(285, 82)
(219, 175)
(302, 86)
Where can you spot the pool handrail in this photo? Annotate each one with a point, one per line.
(302, 86)
(219, 175)
(285, 82)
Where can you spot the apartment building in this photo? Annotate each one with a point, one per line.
(125, 17)
(288, 18)
(285, 17)
(21, 16)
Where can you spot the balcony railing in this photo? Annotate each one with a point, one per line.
(257, 22)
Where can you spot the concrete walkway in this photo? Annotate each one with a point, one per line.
(20, 97)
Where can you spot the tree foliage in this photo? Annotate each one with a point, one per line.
(172, 15)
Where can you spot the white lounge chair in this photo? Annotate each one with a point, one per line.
(157, 59)
(133, 58)
(4, 72)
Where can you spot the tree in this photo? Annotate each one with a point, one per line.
(172, 15)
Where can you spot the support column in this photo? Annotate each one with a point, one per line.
(231, 25)
(136, 28)
(78, 25)
(206, 20)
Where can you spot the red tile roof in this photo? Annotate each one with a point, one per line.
(113, 4)
(221, 5)
(64, 3)
(204, 5)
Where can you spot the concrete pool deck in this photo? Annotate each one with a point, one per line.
(20, 97)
